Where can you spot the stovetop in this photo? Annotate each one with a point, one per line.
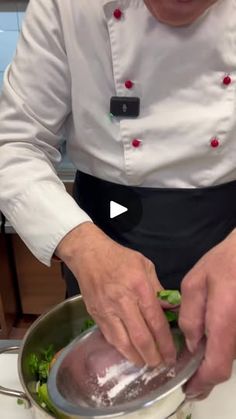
(221, 404)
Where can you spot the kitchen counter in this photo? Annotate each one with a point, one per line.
(221, 404)
(6, 343)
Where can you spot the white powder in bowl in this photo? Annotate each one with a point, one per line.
(119, 377)
(159, 410)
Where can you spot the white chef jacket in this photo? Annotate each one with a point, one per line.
(72, 57)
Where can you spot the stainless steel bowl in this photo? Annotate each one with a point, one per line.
(59, 326)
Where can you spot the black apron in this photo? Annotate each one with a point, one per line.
(177, 226)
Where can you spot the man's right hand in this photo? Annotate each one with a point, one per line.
(119, 288)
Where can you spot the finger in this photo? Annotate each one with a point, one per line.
(156, 321)
(152, 277)
(198, 396)
(116, 334)
(204, 395)
(140, 335)
(193, 307)
(220, 350)
(157, 287)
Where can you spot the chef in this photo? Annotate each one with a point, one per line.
(144, 93)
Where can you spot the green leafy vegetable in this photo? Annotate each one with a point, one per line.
(87, 324)
(171, 296)
(39, 365)
(46, 403)
(34, 363)
(171, 316)
(43, 370)
(44, 398)
(20, 402)
(179, 341)
(48, 353)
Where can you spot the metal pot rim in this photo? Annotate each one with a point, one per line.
(24, 341)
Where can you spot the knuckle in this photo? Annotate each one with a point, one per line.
(142, 289)
(149, 305)
(141, 340)
(92, 310)
(123, 345)
(185, 324)
(138, 257)
(163, 337)
(152, 318)
(187, 285)
(99, 312)
(138, 281)
(150, 265)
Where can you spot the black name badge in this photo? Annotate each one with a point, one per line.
(128, 107)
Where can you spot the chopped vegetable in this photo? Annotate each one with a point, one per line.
(48, 353)
(172, 316)
(43, 370)
(33, 363)
(171, 296)
(87, 324)
(20, 401)
(179, 341)
(44, 398)
(46, 403)
(39, 365)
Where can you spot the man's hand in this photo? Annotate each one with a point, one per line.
(209, 306)
(119, 288)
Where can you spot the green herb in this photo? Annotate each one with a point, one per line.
(39, 365)
(189, 417)
(171, 316)
(48, 353)
(45, 402)
(44, 398)
(20, 402)
(88, 323)
(33, 363)
(43, 370)
(179, 341)
(171, 296)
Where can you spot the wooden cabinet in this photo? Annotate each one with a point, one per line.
(9, 303)
(40, 287)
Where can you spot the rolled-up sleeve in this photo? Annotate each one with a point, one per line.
(34, 106)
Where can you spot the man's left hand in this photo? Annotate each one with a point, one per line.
(209, 307)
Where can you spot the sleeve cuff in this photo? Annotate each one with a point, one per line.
(43, 215)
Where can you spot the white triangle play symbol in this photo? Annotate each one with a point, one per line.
(116, 209)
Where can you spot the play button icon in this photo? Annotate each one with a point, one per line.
(116, 209)
(125, 209)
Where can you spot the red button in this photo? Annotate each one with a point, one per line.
(215, 143)
(136, 143)
(227, 80)
(117, 14)
(129, 84)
